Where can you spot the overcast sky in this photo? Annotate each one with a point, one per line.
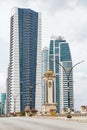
(67, 18)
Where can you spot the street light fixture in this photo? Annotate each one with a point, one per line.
(68, 85)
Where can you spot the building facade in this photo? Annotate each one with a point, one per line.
(8, 91)
(44, 68)
(3, 103)
(25, 60)
(60, 60)
(0, 108)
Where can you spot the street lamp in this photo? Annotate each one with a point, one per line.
(68, 85)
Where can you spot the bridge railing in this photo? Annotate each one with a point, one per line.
(74, 115)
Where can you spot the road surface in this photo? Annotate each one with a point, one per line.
(39, 123)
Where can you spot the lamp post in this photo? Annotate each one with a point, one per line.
(68, 83)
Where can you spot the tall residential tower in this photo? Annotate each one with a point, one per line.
(44, 67)
(25, 60)
(60, 60)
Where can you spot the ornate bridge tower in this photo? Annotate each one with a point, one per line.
(49, 92)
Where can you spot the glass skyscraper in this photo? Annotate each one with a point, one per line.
(60, 60)
(3, 101)
(25, 60)
(44, 67)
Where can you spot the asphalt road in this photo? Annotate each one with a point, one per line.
(38, 123)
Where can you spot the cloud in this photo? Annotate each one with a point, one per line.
(82, 3)
(4, 52)
(23, 2)
(16, 2)
(81, 76)
(81, 33)
(80, 89)
(2, 82)
(80, 96)
(49, 6)
(52, 6)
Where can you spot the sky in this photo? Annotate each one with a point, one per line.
(67, 18)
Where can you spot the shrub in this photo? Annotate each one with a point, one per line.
(52, 112)
(22, 113)
(34, 111)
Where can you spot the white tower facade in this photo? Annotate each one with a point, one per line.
(49, 102)
(24, 79)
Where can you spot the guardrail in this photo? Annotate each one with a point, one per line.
(74, 115)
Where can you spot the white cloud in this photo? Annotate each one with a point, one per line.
(82, 3)
(80, 89)
(2, 82)
(81, 76)
(51, 6)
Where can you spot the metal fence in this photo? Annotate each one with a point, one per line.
(74, 115)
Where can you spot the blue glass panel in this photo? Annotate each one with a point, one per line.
(28, 28)
(56, 43)
(56, 50)
(65, 52)
(57, 92)
(56, 64)
(51, 47)
(51, 63)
